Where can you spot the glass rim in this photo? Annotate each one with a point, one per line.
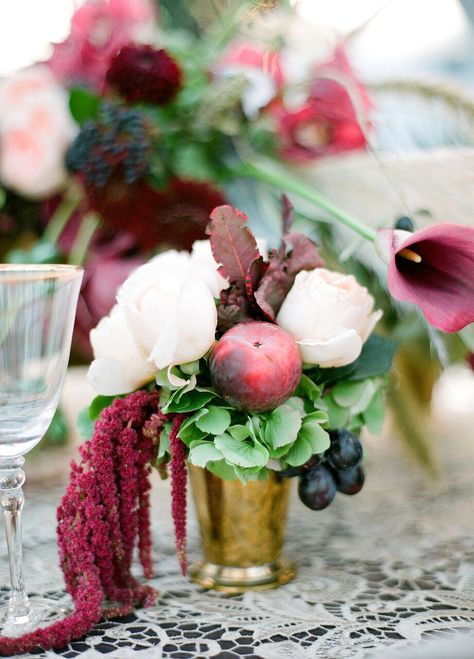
(43, 270)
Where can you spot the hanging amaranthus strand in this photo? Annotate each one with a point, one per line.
(104, 513)
(178, 489)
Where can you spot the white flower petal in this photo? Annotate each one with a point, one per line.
(111, 377)
(329, 315)
(338, 351)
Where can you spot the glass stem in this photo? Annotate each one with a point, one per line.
(12, 478)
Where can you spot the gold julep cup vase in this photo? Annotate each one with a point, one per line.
(242, 532)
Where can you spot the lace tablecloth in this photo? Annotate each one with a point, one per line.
(381, 575)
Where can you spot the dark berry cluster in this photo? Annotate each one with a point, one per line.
(117, 142)
(338, 469)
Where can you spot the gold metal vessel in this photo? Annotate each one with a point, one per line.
(242, 532)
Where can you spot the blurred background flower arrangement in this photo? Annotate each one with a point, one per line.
(149, 115)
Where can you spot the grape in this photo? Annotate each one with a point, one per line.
(349, 481)
(405, 223)
(289, 472)
(314, 460)
(317, 488)
(345, 451)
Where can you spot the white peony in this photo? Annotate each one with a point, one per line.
(172, 316)
(119, 366)
(164, 317)
(330, 315)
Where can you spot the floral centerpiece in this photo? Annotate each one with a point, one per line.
(248, 366)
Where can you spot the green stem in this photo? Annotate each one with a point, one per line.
(287, 182)
(62, 215)
(84, 235)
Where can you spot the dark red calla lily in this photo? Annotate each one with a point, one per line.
(434, 269)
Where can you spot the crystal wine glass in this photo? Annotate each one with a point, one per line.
(37, 310)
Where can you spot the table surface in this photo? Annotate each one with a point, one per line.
(384, 574)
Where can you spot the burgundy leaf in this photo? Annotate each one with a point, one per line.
(287, 214)
(273, 287)
(232, 243)
(234, 308)
(302, 253)
(254, 275)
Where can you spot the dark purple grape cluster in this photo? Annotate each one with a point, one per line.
(336, 470)
(118, 141)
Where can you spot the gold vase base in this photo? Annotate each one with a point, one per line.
(235, 580)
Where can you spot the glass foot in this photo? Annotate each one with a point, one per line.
(43, 612)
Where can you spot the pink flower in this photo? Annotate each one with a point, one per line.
(98, 30)
(36, 129)
(328, 122)
(261, 70)
(434, 269)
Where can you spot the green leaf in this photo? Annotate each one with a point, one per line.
(253, 474)
(317, 437)
(192, 161)
(282, 426)
(83, 104)
(100, 403)
(222, 469)
(467, 336)
(373, 415)
(58, 430)
(239, 432)
(370, 387)
(204, 452)
(297, 404)
(242, 454)
(375, 359)
(321, 416)
(188, 402)
(191, 434)
(191, 368)
(215, 422)
(338, 416)
(308, 389)
(253, 426)
(85, 424)
(164, 446)
(299, 453)
(345, 394)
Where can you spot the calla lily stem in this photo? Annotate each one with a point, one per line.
(287, 182)
(61, 216)
(85, 234)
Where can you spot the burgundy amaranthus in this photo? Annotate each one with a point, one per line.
(103, 514)
(178, 489)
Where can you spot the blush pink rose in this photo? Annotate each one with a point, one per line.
(36, 129)
(330, 316)
(99, 29)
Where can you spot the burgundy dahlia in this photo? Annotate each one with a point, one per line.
(174, 217)
(143, 73)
